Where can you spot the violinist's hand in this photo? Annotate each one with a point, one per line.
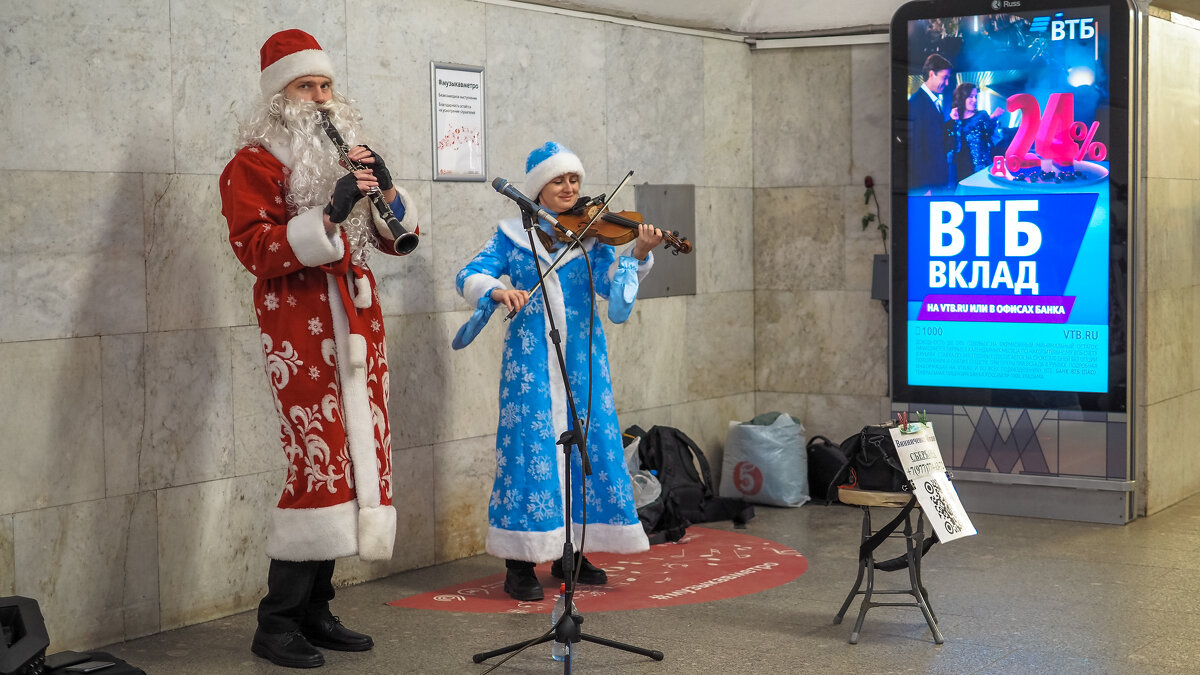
(997, 112)
(512, 298)
(649, 237)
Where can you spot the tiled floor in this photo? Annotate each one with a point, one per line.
(1024, 596)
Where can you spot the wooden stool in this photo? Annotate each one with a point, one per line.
(914, 548)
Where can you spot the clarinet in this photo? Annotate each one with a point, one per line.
(403, 241)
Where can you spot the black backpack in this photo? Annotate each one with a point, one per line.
(687, 491)
(826, 462)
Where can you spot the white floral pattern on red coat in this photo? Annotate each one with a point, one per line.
(296, 317)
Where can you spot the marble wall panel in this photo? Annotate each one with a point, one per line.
(719, 345)
(526, 70)
(189, 408)
(647, 354)
(409, 284)
(53, 448)
(707, 422)
(92, 567)
(194, 277)
(647, 417)
(799, 238)
(466, 215)
(462, 482)
(831, 415)
(652, 93)
(1195, 239)
(837, 417)
(256, 425)
(728, 114)
(1171, 238)
(89, 86)
(791, 403)
(861, 246)
(218, 43)
(801, 128)
(860, 334)
(1171, 475)
(424, 395)
(473, 393)
(212, 552)
(413, 495)
(820, 342)
(1173, 129)
(413, 478)
(1169, 326)
(8, 563)
(1194, 348)
(870, 114)
(71, 267)
(724, 239)
(124, 390)
(437, 393)
(389, 58)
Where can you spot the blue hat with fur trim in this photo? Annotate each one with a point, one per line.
(547, 163)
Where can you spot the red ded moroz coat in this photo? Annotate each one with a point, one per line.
(326, 359)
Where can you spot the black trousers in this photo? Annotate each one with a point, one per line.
(297, 592)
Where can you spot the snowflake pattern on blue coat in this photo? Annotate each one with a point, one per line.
(525, 510)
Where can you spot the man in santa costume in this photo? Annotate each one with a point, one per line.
(298, 224)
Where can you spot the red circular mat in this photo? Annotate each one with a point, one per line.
(705, 565)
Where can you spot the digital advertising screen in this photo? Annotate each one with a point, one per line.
(1009, 195)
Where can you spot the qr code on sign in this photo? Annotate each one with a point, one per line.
(942, 508)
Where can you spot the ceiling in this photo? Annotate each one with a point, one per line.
(776, 17)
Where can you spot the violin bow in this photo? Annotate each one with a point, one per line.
(576, 240)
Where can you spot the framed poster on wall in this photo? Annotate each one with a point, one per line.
(1010, 192)
(458, 122)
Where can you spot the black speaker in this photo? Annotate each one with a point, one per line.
(23, 637)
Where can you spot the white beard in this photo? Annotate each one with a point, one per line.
(291, 130)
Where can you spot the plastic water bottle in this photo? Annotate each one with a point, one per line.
(560, 650)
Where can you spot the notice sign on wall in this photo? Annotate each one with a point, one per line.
(458, 150)
(922, 460)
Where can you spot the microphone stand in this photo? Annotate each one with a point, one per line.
(567, 630)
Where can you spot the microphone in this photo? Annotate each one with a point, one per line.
(505, 188)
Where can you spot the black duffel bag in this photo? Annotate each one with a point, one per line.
(871, 456)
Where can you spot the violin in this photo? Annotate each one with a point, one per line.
(612, 228)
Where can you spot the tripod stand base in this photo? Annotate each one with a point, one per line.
(572, 630)
(652, 653)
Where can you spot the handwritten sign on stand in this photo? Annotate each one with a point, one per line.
(922, 460)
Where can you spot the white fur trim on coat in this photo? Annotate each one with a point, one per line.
(376, 532)
(309, 241)
(325, 533)
(360, 431)
(538, 547)
(478, 285)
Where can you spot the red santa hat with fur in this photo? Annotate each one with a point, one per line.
(287, 55)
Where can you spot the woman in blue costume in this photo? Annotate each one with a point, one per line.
(970, 132)
(525, 513)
